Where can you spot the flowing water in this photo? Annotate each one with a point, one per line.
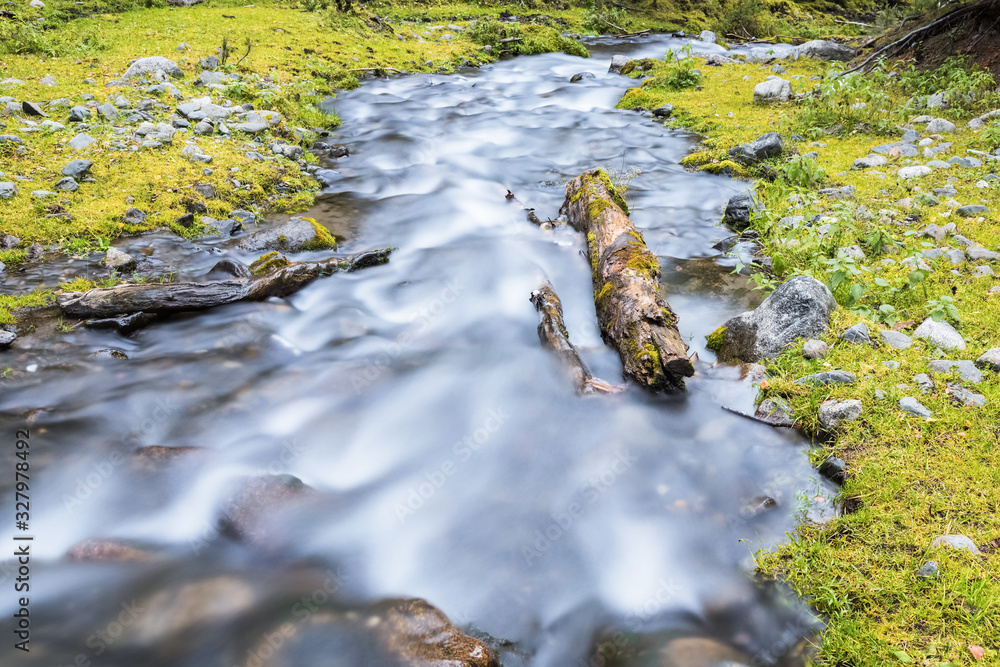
(451, 458)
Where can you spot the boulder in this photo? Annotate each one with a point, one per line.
(822, 49)
(296, 235)
(834, 413)
(146, 66)
(799, 308)
(766, 146)
(773, 90)
(617, 62)
(739, 210)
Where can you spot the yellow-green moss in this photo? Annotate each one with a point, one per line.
(323, 240)
(716, 339)
(726, 167)
(268, 262)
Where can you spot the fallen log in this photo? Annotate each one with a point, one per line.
(632, 314)
(177, 297)
(553, 335)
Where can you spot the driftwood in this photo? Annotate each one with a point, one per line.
(532, 218)
(632, 314)
(176, 297)
(552, 332)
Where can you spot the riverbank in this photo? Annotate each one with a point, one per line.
(903, 228)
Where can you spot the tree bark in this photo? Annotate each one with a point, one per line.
(178, 297)
(552, 332)
(632, 314)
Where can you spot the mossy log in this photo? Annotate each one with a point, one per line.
(632, 314)
(552, 332)
(178, 297)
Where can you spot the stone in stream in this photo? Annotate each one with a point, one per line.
(814, 349)
(766, 146)
(77, 169)
(246, 511)
(940, 334)
(125, 325)
(834, 413)
(858, 334)
(617, 62)
(960, 542)
(990, 360)
(965, 397)
(228, 267)
(580, 76)
(799, 308)
(664, 111)
(296, 235)
(6, 338)
(895, 339)
(226, 227)
(326, 177)
(834, 469)
(739, 211)
(966, 369)
(119, 261)
(775, 412)
(822, 49)
(773, 90)
(914, 407)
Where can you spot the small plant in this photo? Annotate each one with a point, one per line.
(943, 309)
(803, 171)
(878, 240)
(62, 326)
(990, 136)
(681, 73)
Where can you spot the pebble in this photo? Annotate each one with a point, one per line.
(928, 570)
(814, 349)
(966, 369)
(914, 407)
(857, 334)
(833, 413)
(895, 339)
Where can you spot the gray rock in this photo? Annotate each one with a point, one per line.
(67, 184)
(774, 90)
(32, 109)
(77, 169)
(965, 397)
(617, 62)
(798, 308)
(80, 141)
(977, 253)
(6, 338)
(905, 149)
(928, 570)
(895, 339)
(846, 192)
(664, 111)
(924, 381)
(42, 194)
(914, 172)
(828, 377)
(147, 66)
(326, 177)
(203, 128)
(869, 162)
(9, 241)
(956, 542)
(206, 190)
(894, 365)
(940, 334)
(966, 369)
(290, 151)
(226, 227)
(580, 76)
(10, 139)
(8, 190)
(739, 211)
(822, 49)
(939, 125)
(204, 108)
(774, 412)
(910, 136)
(208, 62)
(914, 407)
(296, 235)
(109, 112)
(814, 349)
(857, 334)
(766, 146)
(211, 77)
(954, 256)
(134, 216)
(834, 413)
(834, 469)
(983, 272)
(119, 261)
(246, 217)
(52, 126)
(972, 210)
(78, 114)
(990, 360)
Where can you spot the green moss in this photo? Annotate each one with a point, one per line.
(601, 296)
(638, 66)
(10, 304)
(268, 262)
(727, 167)
(716, 339)
(592, 249)
(323, 240)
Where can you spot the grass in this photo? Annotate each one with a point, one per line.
(910, 479)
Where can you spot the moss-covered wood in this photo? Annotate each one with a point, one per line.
(634, 317)
(178, 297)
(552, 332)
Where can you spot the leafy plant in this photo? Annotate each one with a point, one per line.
(943, 308)
(878, 240)
(601, 18)
(680, 73)
(803, 171)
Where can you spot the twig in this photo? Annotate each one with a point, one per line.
(508, 40)
(753, 418)
(840, 20)
(616, 27)
(641, 33)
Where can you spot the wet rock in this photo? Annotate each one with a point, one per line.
(34, 252)
(664, 111)
(296, 235)
(108, 550)
(67, 184)
(928, 570)
(326, 177)
(617, 62)
(940, 334)
(246, 510)
(972, 210)
(700, 652)
(914, 407)
(154, 458)
(246, 217)
(858, 334)
(895, 339)
(125, 325)
(834, 469)
(185, 220)
(77, 169)
(134, 216)
(775, 412)
(766, 146)
(834, 413)
(822, 49)
(828, 377)
(228, 268)
(580, 76)
(798, 308)
(119, 261)
(147, 66)
(739, 211)
(109, 353)
(990, 360)
(966, 369)
(226, 227)
(814, 349)
(6, 338)
(773, 90)
(960, 542)
(965, 397)
(8, 241)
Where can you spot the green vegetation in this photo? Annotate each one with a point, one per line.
(910, 479)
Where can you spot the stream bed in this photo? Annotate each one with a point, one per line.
(449, 457)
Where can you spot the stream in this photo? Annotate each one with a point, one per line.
(450, 457)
